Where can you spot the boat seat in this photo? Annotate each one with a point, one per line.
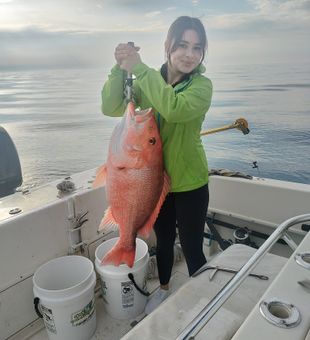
(171, 317)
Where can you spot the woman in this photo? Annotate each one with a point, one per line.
(180, 96)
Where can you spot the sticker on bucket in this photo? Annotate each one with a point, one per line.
(48, 319)
(83, 315)
(127, 294)
(104, 290)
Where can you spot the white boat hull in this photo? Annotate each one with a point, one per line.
(45, 229)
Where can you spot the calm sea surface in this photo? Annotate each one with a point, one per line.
(54, 118)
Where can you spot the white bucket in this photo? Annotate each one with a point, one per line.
(64, 297)
(122, 299)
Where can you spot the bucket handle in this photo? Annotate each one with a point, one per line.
(132, 279)
(36, 302)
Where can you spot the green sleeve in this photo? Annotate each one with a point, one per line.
(174, 107)
(112, 94)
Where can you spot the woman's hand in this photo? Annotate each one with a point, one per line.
(127, 56)
(130, 61)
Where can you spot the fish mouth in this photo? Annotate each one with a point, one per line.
(140, 115)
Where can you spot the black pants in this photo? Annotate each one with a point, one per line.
(187, 211)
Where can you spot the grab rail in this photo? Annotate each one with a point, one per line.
(214, 305)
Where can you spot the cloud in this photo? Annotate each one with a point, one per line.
(117, 15)
(35, 48)
(286, 10)
(290, 15)
(145, 5)
(152, 14)
(91, 16)
(229, 21)
(74, 33)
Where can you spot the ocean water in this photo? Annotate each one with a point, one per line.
(54, 118)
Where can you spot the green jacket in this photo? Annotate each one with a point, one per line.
(180, 112)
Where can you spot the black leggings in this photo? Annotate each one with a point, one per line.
(188, 210)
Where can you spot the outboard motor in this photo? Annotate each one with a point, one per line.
(10, 169)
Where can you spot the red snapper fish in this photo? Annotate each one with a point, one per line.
(136, 183)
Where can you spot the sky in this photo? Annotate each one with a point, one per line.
(84, 33)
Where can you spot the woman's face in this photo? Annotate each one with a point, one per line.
(188, 54)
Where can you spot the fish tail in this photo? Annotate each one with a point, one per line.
(118, 255)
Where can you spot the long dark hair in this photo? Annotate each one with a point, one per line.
(178, 27)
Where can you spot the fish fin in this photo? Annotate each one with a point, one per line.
(108, 222)
(118, 255)
(101, 176)
(146, 229)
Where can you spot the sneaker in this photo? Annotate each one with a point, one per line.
(158, 297)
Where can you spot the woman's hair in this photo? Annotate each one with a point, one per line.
(178, 27)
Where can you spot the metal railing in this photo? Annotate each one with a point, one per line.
(215, 304)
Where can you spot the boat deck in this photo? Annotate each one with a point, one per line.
(108, 327)
(188, 295)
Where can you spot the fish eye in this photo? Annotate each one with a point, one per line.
(152, 140)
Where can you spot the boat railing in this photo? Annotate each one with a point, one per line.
(195, 326)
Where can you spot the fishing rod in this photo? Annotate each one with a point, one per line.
(240, 124)
(129, 79)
